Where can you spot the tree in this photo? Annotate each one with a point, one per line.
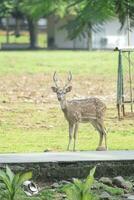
(35, 9)
(90, 14)
(10, 8)
(18, 15)
(43, 8)
(123, 9)
(6, 8)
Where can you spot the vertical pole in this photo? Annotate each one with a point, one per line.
(130, 82)
(119, 84)
(128, 25)
(122, 89)
(129, 61)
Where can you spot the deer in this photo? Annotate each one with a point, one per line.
(86, 110)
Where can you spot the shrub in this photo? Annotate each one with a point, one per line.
(81, 190)
(12, 182)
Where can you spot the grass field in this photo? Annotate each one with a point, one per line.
(23, 38)
(93, 63)
(30, 116)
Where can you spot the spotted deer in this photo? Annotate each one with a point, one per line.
(81, 111)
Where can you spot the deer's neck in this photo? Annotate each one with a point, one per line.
(63, 105)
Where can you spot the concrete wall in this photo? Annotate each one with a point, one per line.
(53, 171)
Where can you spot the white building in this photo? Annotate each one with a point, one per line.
(109, 37)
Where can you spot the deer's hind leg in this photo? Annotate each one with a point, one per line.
(71, 128)
(102, 130)
(105, 136)
(102, 133)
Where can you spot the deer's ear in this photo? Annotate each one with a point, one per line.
(68, 89)
(54, 89)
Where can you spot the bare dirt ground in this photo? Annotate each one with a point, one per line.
(37, 88)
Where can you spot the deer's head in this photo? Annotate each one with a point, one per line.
(61, 92)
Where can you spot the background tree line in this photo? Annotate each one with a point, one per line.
(87, 15)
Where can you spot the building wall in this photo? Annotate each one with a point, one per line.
(109, 37)
(61, 40)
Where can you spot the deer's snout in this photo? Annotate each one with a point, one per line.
(59, 98)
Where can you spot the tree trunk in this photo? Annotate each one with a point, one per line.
(89, 35)
(1, 24)
(51, 32)
(33, 33)
(7, 29)
(17, 27)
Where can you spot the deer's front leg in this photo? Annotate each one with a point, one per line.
(75, 135)
(71, 127)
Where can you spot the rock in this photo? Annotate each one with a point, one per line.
(105, 196)
(126, 196)
(63, 182)
(130, 197)
(55, 185)
(119, 182)
(106, 181)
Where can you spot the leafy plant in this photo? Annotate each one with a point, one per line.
(13, 182)
(81, 190)
(112, 190)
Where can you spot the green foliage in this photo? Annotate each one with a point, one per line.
(11, 8)
(112, 191)
(86, 15)
(89, 15)
(47, 195)
(123, 8)
(6, 7)
(13, 182)
(81, 190)
(42, 8)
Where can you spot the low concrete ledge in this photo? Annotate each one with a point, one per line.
(67, 156)
(51, 166)
(12, 46)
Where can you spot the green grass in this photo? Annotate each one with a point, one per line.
(79, 62)
(102, 63)
(31, 127)
(24, 38)
(38, 130)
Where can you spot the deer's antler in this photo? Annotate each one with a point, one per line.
(55, 79)
(69, 79)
